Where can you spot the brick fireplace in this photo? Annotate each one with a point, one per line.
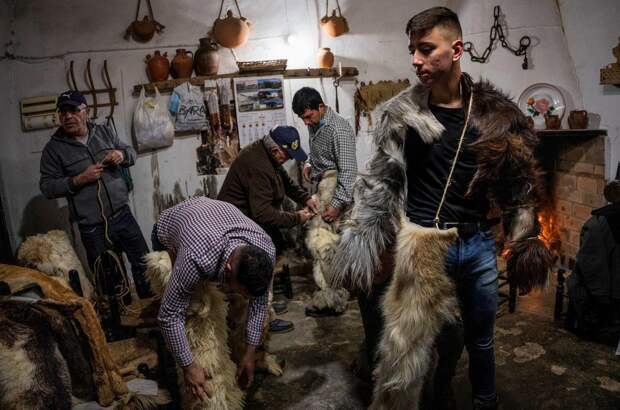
(574, 165)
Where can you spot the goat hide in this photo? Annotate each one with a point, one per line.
(419, 300)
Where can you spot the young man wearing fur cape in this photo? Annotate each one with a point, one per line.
(446, 127)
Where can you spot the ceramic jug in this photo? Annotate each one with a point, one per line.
(182, 64)
(334, 25)
(206, 58)
(158, 66)
(578, 120)
(552, 122)
(231, 32)
(143, 30)
(325, 58)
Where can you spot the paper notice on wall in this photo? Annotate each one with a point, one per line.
(260, 106)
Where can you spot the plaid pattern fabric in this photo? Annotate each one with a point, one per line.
(332, 146)
(203, 233)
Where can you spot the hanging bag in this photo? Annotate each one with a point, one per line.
(188, 107)
(152, 125)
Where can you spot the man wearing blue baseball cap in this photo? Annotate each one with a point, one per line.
(82, 162)
(257, 184)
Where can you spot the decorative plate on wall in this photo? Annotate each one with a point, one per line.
(542, 99)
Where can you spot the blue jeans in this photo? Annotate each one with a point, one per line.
(125, 234)
(471, 264)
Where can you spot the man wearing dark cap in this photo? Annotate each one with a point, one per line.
(257, 184)
(83, 163)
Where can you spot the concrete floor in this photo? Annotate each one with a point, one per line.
(539, 365)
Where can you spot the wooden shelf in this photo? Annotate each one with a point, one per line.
(348, 73)
(543, 134)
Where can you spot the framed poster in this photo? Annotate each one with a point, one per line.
(259, 106)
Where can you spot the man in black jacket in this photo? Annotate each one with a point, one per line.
(83, 163)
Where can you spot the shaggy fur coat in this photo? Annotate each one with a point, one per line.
(53, 254)
(419, 300)
(507, 172)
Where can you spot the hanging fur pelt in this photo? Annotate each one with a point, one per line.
(53, 254)
(321, 241)
(207, 334)
(419, 300)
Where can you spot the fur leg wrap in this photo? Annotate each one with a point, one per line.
(419, 300)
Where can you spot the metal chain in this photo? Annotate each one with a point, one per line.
(497, 32)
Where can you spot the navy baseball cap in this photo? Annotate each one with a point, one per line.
(288, 139)
(70, 98)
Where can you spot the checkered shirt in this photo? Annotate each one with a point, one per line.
(332, 146)
(203, 233)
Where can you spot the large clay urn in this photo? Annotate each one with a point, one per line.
(158, 66)
(231, 32)
(182, 64)
(143, 30)
(206, 58)
(325, 58)
(334, 25)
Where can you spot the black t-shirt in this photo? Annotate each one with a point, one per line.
(428, 167)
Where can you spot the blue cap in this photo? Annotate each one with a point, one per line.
(288, 139)
(70, 98)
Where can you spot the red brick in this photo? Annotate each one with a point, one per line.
(573, 223)
(593, 200)
(600, 186)
(599, 170)
(574, 238)
(566, 181)
(572, 153)
(574, 196)
(563, 206)
(583, 168)
(581, 211)
(586, 184)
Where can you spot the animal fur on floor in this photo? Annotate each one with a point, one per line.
(321, 240)
(52, 253)
(207, 334)
(419, 300)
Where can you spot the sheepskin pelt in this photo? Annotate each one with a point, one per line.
(108, 383)
(418, 301)
(507, 172)
(207, 334)
(52, 253)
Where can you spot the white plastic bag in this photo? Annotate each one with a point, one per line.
(188, 108)
(152, 125)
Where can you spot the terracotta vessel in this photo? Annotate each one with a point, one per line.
(231, 32)
(530, 122)
(182, 64)
(206, 58)
(578, 120)
(334, 25)
(325, 58)
(552, 122)
(143, 30)
(158, 66)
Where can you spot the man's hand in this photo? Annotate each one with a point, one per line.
(306, 172)
(196, 381)
(330, 214)
(246, 366)
(304, 215)
(90, 174)
(114, 157)
(311, 203)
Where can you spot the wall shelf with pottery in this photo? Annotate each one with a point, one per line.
(348, 73)
(544, 104)
(570, 133)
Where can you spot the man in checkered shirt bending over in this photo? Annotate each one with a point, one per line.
(332, 147)
(212, 240)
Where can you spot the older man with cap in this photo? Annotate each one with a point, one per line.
(257, 184)
(84, 163)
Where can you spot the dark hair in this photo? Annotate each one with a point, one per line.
(433, 17)
(306, 98)
(254, 269)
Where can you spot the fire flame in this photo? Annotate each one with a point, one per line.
(549, 231)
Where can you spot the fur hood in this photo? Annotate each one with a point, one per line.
(507, 170)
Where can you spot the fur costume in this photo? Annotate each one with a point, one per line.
(507, 172)
(320, 240)
(207, 334)
(419, 300)
(53, 254)
(108, 385)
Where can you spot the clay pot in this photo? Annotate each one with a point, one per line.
(325, 58)
(578, 120)
(206, 58)
(530, 122)
(143, 30)
(182, 64)
(334, 25)
(158, 66)
(552, 122)
(231, 32)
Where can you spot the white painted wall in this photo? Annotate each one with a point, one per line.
(66, 31)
